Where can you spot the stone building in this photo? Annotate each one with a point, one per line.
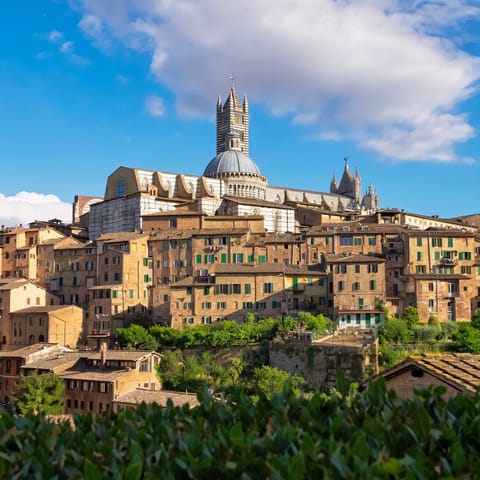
(93, 380)
(231, 184)
(16, 295)
(61, 324)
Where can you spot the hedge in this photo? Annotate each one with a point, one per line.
(342, 435)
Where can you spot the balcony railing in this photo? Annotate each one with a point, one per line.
(448, 261)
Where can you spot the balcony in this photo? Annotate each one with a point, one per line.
(448, 261)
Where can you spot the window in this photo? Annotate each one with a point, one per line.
(248, 305)
(358, 241)
(262, 259)
(236, 288)
(206, 290)
(131, 293)
(209, 258)
(436, 242)
(117, 277)
(206, 320)
(431, 305)
(346, 240)
(105, 260)
(276, 304)
(373, 284)
(341, 268)
(268, 288)
(221, 305)
(173, 223)
(261, 305)
(121, 187)
(372, 268)
(356, 286)
(419, 256)
(223, 258)
(248, 288)
(199, 258)
(105, 277)
(341, 285)
(238, 258)
(357, 268)
(420, 269)
(419, 241)
(372, 241)
(206, 305)
(465, 269)
(430, 287)
(450, 242)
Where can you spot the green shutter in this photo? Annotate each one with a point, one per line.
(199, 258)
(450, 242)
(437, 255)
(224, 258)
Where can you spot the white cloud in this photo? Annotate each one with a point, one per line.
(91, 25)
(55, 36)
(154, 105)
(376, 71)
(66, 47)
(26, 207)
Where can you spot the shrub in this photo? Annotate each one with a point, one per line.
(344, 435)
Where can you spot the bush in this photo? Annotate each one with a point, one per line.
(395, 330)
(368, 435)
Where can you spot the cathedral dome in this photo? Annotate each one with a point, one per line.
(231, 161)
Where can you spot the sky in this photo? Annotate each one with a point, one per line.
(87, 86)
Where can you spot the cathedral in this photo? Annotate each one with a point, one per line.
(231, 184)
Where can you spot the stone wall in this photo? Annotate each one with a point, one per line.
(319, 362)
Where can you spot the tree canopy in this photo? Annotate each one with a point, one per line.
(37, 393)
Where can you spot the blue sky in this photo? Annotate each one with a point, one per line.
(90, 85)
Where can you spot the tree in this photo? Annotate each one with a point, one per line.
(410, 316)
(476, 318)
(467, 339)
(136, 336)
(271, 381)
(37, 393)
(395, 330)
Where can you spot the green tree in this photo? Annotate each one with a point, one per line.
(410, 316)
(136, 336)
(395, 330)
(37, 393)
(467, 339)
(171, 370)
(476, 318)
(270, 381)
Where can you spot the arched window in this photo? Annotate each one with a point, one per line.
(121, 187)
(41, 338)
(31, 340)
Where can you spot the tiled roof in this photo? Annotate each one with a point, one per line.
(161, 397)
(354, 258)
(460, 370)
(25, 351)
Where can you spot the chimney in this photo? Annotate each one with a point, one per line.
(103, 355)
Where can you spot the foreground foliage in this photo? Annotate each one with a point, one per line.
(342, 435)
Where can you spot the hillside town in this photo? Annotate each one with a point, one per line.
(181, 250)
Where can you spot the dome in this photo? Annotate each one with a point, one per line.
(231, 161)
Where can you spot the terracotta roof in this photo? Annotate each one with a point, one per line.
(25, 351)
(459, 370)
(354, 258)
(114, 237)
(161, 397)
(268, 268)
(45, 309)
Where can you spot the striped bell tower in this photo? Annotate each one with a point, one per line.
(232, 123)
